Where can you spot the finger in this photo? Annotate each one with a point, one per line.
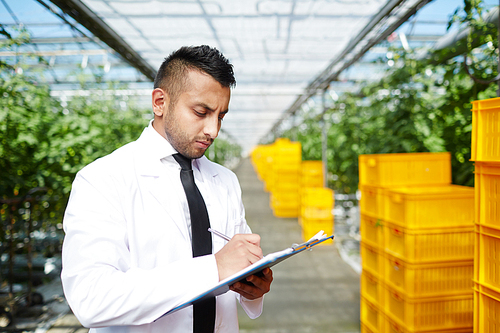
(247, 291)
(267, 274)
(256, 252)
(251, 238)
(260, 283)
(246, 243)
(263, 277)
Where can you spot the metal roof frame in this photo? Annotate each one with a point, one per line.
(86, 17)
(82, 14)
(332, 72)
(288, 52)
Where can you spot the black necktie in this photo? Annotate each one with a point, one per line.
(203, 311)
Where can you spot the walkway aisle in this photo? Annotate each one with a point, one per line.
(313, 292)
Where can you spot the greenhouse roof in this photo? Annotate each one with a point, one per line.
(284, 52)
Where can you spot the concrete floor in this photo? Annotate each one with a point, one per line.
(313, 292)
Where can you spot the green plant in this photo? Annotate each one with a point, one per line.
(419, 106)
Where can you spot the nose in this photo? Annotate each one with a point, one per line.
(212, 126)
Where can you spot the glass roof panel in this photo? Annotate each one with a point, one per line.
(277, 47)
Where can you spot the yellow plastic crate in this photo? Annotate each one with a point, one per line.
(263, 162)
(306, 235)
(313, 226)
(391, 326)
(372, 260)
(372, 231)
(310, 230)
(287, 211)
(428, 280)
(280, 167)
(371, 316)
(311, 181)
(486, 130)
(318, 223)
(486, 310)
(290, 151)
(430, 245)
(286, 150)
(487, 187)
(487, 258)
(366, 329)
(430, 207)
(259, 157)
(312, 174)
(313, 168)
(285, 199)
(372, 289)
(431, 313)
(286, 186)
(372, 200)
(284, 180)
(321, 197)
(405, 169)
(316, 213)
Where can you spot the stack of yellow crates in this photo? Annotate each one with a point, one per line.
(261, 158)
(295, 186)
(485, 151)
(284, 180)
(316, 212)
(416, 245)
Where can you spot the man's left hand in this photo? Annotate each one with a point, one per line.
(257, 286)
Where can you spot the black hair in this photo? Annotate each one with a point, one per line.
(171, 75)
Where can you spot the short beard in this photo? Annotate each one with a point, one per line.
(178, 139)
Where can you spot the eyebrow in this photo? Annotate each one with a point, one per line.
(205, 106)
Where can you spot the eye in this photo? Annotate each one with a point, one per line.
(221, 116)
(200, 113)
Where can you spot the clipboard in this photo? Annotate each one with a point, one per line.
(267, 261)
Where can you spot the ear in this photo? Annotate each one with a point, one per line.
(160, 101)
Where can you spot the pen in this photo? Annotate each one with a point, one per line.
(221, 235)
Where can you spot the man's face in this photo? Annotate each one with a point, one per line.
(194, 121)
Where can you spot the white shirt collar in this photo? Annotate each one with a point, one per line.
(163, 149)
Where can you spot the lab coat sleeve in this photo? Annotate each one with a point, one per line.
(101, 286)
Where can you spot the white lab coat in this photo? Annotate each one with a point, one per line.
(127, 255)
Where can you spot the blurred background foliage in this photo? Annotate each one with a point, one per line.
(419, 106)
(45, 141)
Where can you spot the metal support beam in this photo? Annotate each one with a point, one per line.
(62, 40)
(86, 17)
(453, 38)
(374, 41)
(324, 139)
(56, 53)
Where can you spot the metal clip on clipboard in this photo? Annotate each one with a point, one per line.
(318, 238)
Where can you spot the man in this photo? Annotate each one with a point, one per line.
(131, 230)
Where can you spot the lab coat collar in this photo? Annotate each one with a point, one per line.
(151, 148)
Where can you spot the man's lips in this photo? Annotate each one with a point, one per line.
(204, 144)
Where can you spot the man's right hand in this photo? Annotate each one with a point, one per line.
(240, 252)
